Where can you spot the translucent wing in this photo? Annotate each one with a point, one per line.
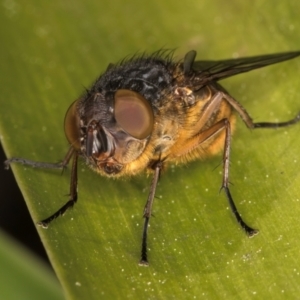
(210, 70)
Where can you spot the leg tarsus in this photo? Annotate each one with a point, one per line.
(249, 230)
(144, 259)
(45, 223)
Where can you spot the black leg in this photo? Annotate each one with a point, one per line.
(147, 212)
(73, 196)
(249, 231)
(41, 165)
(250, 124)
(61, 165)
(277, 125)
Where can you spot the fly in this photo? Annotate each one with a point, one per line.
(150, 110)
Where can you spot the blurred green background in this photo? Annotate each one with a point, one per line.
(49, 53)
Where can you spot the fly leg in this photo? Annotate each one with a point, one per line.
(73, 196)
(61, 165)
(252, 125)
(147, 212)
(248, 120)
(40, 165)
(203, 136)
(249, 231)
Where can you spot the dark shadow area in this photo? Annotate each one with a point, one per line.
(14, 215)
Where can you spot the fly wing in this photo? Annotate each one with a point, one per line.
(210, 70)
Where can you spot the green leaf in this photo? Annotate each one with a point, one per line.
(22, 276)
(51, 50)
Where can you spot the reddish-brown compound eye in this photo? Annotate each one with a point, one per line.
(72, 126)
(133, 113)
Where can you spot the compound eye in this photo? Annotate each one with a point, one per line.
(133, 113)
(72, 126)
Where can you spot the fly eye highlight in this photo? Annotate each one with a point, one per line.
(72, 126)
(133, 113)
